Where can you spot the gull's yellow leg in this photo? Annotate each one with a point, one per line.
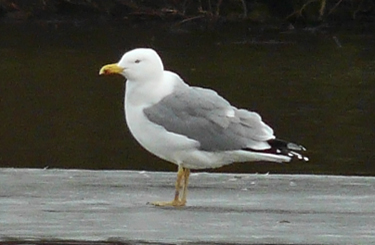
(176, 201)
(185, 185)
(178, 185)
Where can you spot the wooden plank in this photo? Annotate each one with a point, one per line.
(110, 206)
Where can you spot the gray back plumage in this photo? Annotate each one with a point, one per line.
(202, 115)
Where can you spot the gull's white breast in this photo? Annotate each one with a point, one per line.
(154, 138)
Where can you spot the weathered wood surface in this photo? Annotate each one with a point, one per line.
(91, 206)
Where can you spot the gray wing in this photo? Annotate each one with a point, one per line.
(202, 115)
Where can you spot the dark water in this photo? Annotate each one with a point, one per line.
(314, 87)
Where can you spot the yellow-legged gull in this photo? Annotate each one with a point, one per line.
(192, 127)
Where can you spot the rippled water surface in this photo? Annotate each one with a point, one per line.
(313, 86)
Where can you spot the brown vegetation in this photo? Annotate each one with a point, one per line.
(302, 11)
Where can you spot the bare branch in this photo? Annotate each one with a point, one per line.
(322, 9)
(334, 7)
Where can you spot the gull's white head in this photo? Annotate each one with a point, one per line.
(136, 65)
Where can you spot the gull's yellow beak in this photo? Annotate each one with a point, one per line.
(110, 69)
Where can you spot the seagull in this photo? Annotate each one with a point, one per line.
(192, 127)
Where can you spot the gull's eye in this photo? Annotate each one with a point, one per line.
(137, 61)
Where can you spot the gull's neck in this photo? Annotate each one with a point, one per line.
(148, 93)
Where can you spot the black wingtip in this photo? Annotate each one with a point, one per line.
(287, 148)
